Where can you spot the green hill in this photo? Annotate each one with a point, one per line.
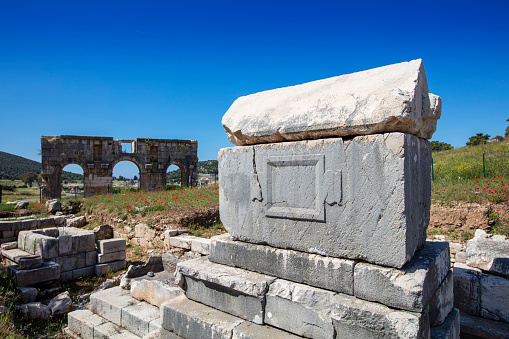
(467, 162)
(13, 166)
(204, 167)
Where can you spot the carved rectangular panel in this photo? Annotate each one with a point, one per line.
(294, 187)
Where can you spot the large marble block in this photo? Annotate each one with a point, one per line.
(364, 198)
(392, 98)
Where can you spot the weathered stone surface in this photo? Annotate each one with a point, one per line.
(76, 221)
(243, 281)
(450, 329)
(136, 318)
(186, 242)
(47, 272)
(24, 259)
(83, 272)
(478, 327)
(489, 253)
(232, 290)
(91, 258)
(103, 232)
(103, 258)
(494, 297)
(248, 330)
(109, 303)
(200, 245)
(64, 245)
(190, 319)
(28, 294)
(355, 318)
(170, 261)
(442, 301)
(306, 196)
(154, 264)
(467, 289)
(75, 318)
(46, 246)
(311, 269)
(35, 310)
(392, 98)
(111, 245)
(154, 292)
(113, 266)
(409, 288)
(61, 304)
(9, 245)
(71, 262)
(300, 309)
(53, 206)
(191, 255)
(161, 333)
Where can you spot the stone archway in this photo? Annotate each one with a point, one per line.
(98, 155)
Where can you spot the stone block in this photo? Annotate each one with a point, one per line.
(103, 232)
(28, 294)
(22, 240)
(24, 259)
(61, 304)
(161, 333)
(229, 289)
(103, 258)
(66, 276)
(47, 272)
(489, 253)
(46, 247)
(28, 263)
(112, 331)
(83, 272)
(299, 309)
(450, 329)
(190, 319)
(409, 288)
(83, 242)
(76, 221)
(311, 269)
(384, 99)
(494, 297)
(64, 245)
(7, 234)
(30, 241)
(113, 266)
(467, 289)
(307, 195)
(248, 330)
(136, 318)
(71, 262)
(477, 327)
(153, 291)
(170, 261)
(109, 303)
(354, 318)
(442, 301)
(91, 258)
(74, 320)
(200, 245)
(50, 232)
(111, 245)
(181, 242)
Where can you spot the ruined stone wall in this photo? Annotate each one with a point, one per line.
(98, 155)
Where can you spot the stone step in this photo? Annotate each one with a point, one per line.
(24, 259)
(190, 319)
(228, 289)
(47, 272)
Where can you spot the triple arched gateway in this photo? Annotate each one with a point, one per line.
(98, 155)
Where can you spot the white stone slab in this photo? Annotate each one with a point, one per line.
(109, 303)
(154, 291)
(365, 198)
(136, 318)
(248, 330)
(311, 269)
(392, 98)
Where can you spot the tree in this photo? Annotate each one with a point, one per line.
(28, 178)
(438, 146)
(135, 178)
(477, 139)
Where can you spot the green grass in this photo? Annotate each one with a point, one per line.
(467, 162)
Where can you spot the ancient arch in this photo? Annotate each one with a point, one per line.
(98, 155)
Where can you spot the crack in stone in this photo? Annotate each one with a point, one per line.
(257, 179)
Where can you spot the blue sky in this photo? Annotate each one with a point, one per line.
(166, 69)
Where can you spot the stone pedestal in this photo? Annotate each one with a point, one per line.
(326, 236)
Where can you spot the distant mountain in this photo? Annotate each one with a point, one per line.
(13, 166)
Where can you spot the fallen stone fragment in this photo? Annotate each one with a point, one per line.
(103, 232)
(392, 98)
(28, 294)
(22, 205)
(489, 253)
(154, 292)
(61, 304)
(154, 264)
(34, 310)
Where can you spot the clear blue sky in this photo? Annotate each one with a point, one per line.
(168, 69)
